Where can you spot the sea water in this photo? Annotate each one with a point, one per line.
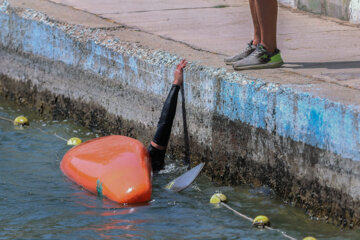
(38, 202)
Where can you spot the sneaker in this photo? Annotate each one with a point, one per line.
(247, 51)
(260, 58)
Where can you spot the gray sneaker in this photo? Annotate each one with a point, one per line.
(260, 58)
(247, 51)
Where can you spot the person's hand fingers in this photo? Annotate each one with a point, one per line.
(184, 63)
(180, 66)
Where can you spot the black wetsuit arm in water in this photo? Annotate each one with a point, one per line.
(163, 131)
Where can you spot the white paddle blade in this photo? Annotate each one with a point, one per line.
(183, 181)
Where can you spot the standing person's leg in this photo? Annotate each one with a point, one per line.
(266, 54)
(254, 16)
(252, 44)
(267, 11)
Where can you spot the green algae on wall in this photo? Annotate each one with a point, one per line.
(314, 6)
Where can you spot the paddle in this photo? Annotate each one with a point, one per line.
(186, 134)
(182, 182)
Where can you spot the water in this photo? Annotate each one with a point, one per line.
(37, 201)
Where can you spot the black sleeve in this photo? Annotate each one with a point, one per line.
(164, 126)
(157, 158)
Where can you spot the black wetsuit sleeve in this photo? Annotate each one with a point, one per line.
(157, 158)
(163, 130)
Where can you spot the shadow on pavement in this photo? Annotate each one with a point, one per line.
(328, 65)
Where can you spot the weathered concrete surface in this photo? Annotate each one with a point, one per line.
(348, 10)
(317, 49)
(297, 133)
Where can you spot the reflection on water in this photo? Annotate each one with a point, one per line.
(124, 225)
(37, 201)
(112, 215)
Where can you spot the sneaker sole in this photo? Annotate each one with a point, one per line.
(260, 66)
(230, 63)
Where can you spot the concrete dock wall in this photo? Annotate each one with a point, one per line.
(305, 147)
(348, 10)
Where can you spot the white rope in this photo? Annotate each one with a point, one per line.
(251, 220)
(52, 134)
(237, 213)
(6, 119)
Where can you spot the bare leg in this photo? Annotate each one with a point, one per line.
(257, 33)
(266, 11)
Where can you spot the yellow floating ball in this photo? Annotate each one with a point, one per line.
(21, 121)
(217, 198)
(309, 238)
(74, 141)
(261, 221)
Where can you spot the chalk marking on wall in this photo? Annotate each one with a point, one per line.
(289, 3)
(354, 11)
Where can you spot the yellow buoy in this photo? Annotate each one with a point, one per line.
(21, 121)
(261, 221)
(217, 198)
(309, 238)
(74, 141)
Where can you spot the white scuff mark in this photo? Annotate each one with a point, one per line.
(354, 10)
(289, 3)
(4, 6)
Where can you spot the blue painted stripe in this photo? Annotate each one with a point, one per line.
(297, 115)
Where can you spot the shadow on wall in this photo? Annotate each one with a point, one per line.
(328, 65)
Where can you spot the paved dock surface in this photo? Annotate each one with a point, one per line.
(320, 53)
(312, 47)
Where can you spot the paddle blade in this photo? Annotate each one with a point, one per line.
(182, 182)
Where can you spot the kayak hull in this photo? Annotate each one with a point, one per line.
(116, 167)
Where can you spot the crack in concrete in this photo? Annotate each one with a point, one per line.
(124, 26)
(184, 43)
(170, 9)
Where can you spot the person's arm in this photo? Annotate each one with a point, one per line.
(160, 141)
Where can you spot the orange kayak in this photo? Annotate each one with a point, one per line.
(116, 167)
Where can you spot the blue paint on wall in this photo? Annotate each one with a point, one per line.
(133, 65)
(297, 115)
(4, 28)
(284, 113)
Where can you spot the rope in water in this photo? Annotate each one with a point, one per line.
(251, 220)
(22, 121)
(6, 119)
(220, 198)
(236, 212)
(259, 221)
(59, 137)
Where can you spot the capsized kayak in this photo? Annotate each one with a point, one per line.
(116, 167)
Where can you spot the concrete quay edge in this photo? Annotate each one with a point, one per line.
(279, 110)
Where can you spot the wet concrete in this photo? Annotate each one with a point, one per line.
(300, 139)
(291, 168)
